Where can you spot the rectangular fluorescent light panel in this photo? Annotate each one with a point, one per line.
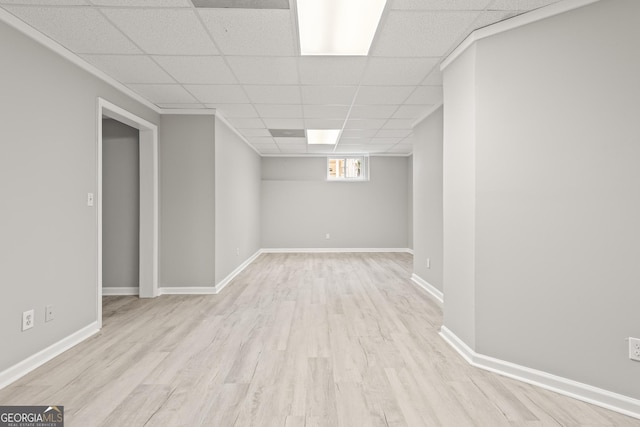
(323, 136)
(338, 27)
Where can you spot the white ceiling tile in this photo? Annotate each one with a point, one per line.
(423, 34)
(46, 2)
(372, 111)
(266, 148)
(412, 111)
(284, 123)
(235, 110)
(385, 140)
(393, 133)
(293, 149)
(240, 123)
(353, 149)
(328, 95)
(488, 18)
(264, 70)
(326, 111)
(379, 148)
(368, 95)
(174, 94)
(353, 141)
(520, 4)
(264, 32)
(323, 124)
(365, 124)
(290, 141)
(197, 69)
(425, 95)
(439, 4)
(359, 133)
(164, 31)
(434, 78)
(398, 71)
(261, 94)
(79, 29)
(280, 111)
(254, 132)
(130, 68)
(218, 94)
(261, 140)
(143, 3)
(331, 70)
(315, 148)
(399, 124)
(179, 106)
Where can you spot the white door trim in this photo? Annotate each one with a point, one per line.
(148, 198)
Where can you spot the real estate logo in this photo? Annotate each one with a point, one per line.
(31, 416)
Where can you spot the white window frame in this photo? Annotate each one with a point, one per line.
(364, 170)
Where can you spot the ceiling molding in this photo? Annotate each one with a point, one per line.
(513, 23)
(50, 44)
(427, 114)
(234, 130)
(189, 111)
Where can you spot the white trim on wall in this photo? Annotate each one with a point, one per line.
(111, 291)
(149, 194)
(22, 368)
(512, 23)
(331, 250)
(187, 290)
(224, 282)
(431, 290)
(587, 393)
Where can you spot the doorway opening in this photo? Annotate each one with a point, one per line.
(148, 199)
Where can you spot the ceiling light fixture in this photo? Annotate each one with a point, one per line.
(323, 136)
(338, 27)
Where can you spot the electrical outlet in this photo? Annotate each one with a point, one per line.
(634, 349)
(428, 262)
(237, 251)
(27, 320)
(327, 236)
(49, 315)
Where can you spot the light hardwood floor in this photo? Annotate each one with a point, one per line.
(295, 340)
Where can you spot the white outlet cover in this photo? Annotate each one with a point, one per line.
(28, 320)
(634, 349)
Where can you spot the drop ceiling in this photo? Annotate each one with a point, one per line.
(245, 63)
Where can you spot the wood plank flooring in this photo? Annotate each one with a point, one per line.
(296, 340)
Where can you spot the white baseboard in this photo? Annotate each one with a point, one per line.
(21, 369)
(331, 250)
(111, 291)
(187, 290)
(409, 251)
(587, 393)
(433, 292)
(224, 282)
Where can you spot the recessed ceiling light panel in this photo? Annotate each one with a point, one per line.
(323, 136)
(338, 27)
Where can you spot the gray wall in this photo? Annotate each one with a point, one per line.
(48, 234)
(237, 201)
(120, 204)
(427, 199)
(187, 200)
(458, 199)
(557, 206)
(299, 206)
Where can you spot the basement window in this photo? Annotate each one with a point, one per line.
(348, 168)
